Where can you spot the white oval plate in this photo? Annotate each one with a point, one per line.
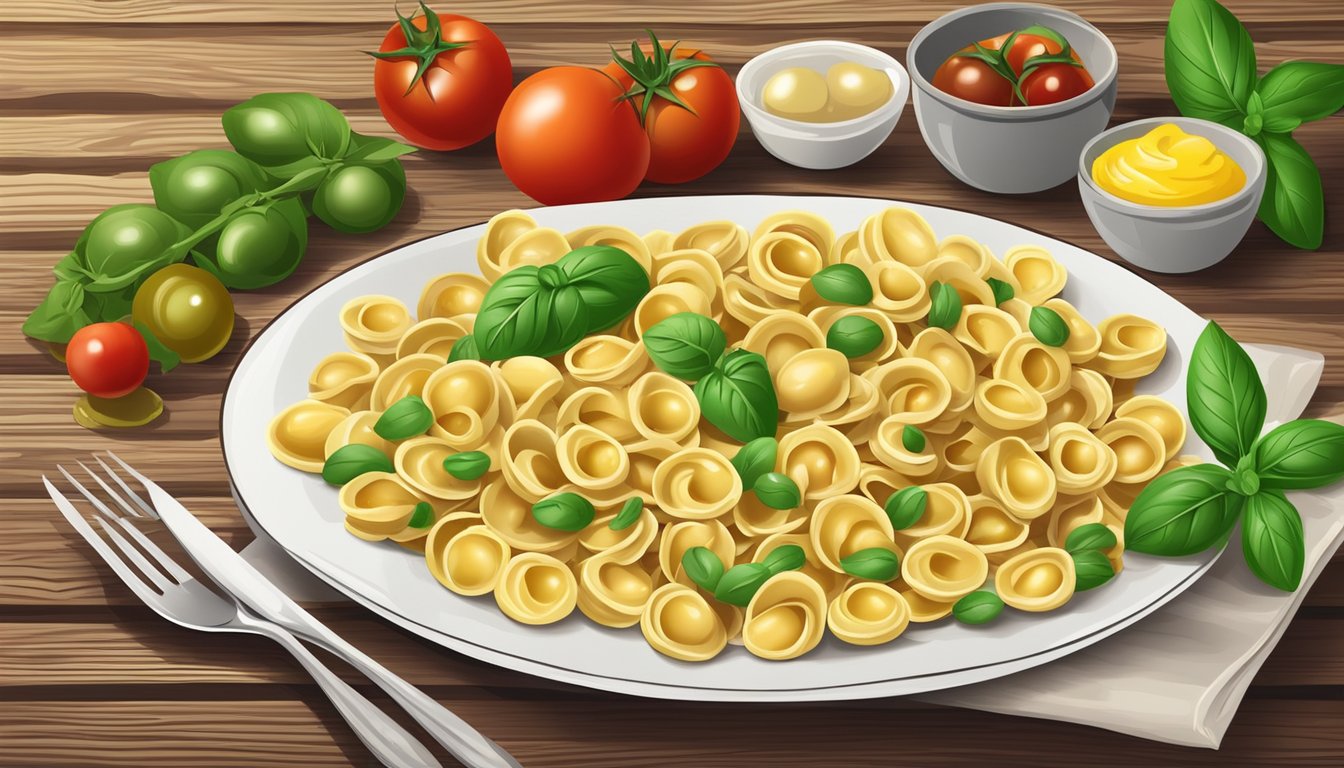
(299, 511)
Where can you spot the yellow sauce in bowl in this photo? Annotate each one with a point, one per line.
(1168, 167)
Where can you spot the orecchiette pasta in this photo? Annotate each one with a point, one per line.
(1013, 442)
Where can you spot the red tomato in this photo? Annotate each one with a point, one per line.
(457, 98)
(687, 144)
(566, 136)
(973, 80)
(1051, 83)
(107, 359)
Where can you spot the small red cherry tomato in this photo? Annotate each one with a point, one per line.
(1051, 83)
(107, 359)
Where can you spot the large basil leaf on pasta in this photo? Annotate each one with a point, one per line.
(685, 345)
(608, 280)
(1224, 395)
(1272, 540)
(1185, 511)
(515, 316)
(738, 397)
(1307, 453)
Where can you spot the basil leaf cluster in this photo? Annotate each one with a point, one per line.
(240, 215)
(1191, 509)
(735, 391)
(543, 311)
(1211, 73)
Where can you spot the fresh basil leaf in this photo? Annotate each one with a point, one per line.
(755, 459)
(906, 506)
(467, 465)
(351, 461)
(685, 345)
(786, 557)
(1048, 327)
(738, 396)
(1244, 480)
(1210, 62)
(1091, 536)
(1302, 454)
(422, 516)
(198, 186)
(741, 583)
(124, 245)
(1293, 206)
(980, 607)
(59, 315)
(609, 281)
(564, 512)
(629, 514)
(1182, 512)
(1091, 569)
(1272, 540)
(843, 284)
(777, 491)
(405, 418)
(944, 306)
(912, 439)
(464, 349)
(1297, 92)
(876, 563)
(854, 336)
(165, 357)
(702, 567)
(373, 149)
(1224, 395)
(1002, 291)
(514, 317)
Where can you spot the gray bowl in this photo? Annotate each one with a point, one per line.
(1011, 150)
(1174, 239)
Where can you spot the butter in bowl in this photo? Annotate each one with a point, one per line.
(1171, 194)
(822, 104)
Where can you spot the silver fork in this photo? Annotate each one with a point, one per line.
(176, 595)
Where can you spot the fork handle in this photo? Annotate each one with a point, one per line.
(467, 744)
(388, 741)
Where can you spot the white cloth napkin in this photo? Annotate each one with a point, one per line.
(1176, 676)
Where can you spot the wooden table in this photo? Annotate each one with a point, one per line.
(98, 91)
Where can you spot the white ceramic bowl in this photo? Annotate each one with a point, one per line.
(1174, 239)
(1009, 150)
(820, 145)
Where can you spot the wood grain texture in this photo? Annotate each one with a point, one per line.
(95, 92)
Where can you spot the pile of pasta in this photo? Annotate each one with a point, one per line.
(1025, 442)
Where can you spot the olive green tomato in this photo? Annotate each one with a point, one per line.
(194, 188)
(125, 242)
(259, 246)
(187, 309)
(361, 198)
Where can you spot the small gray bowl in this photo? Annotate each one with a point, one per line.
(1012, 150)
(1174, 239)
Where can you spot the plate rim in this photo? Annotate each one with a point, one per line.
(645, 688)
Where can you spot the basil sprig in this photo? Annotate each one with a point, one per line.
(777, 491)
(405, 418)
(735, 391)
(467, 465)
(1090, 536)
(629, 514)
(912, 439)
(786, 557)
(755, 459)
(1048, 327)
(1211, 73)
(843, 284)
(1091, 569)
(1191, 509)
(1003, 291)
(422, 516)
(876, 563)
(702, 567)
(741, 583)
(543, 311)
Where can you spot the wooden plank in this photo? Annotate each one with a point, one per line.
(139, 648)
(239, 62)
(501, 12)
(609, 732)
